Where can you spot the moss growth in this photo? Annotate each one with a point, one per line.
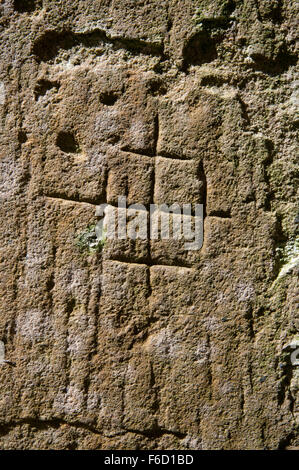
(88, 241)
(287, 257)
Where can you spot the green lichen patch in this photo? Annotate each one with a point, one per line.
(89, 241)
(288, 257)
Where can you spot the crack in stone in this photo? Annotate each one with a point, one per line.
(56, 423)
(47, 47)
(157, 433)
(148, 264)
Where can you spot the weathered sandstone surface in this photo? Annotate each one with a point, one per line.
(144, 345)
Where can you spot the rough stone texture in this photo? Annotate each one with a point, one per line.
(142, 345)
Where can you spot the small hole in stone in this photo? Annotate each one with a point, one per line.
(157, 87)
(67, 142)
(23, 6)
(22, 137)
(109, 99)
(200, 49)
(43, 86)
(229, 7)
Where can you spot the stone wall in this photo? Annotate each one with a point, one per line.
(142, 344)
